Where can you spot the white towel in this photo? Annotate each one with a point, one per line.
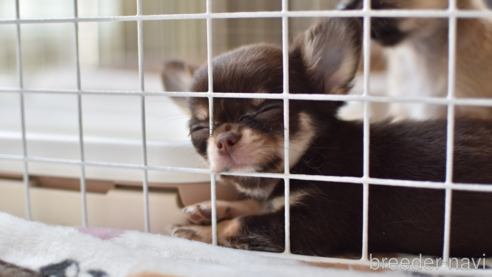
(78, 252)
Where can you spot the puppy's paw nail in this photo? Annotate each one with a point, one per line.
(183, 232)
(187, 232)
(198, 214)
(196, 217)
(206, 212)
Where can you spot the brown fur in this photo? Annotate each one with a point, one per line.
(326, 218)
(201, 213)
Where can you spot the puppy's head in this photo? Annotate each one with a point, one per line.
(391, 31)
(248, 134)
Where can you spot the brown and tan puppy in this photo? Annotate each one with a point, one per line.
(417, 52)
(326, 218)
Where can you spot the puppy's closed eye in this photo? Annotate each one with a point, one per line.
(199, 127)
(248, 120)
(266, 119)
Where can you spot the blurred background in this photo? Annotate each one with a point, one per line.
(112, 125)
(48, 49)
(109, 49)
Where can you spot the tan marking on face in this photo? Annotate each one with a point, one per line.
(301, 141)
(251, 151)
(278, 203)
(201, 112)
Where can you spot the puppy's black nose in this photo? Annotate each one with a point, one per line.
(226, 143)
(350, 5)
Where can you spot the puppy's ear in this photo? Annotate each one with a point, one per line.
(349, 5)
(177, 75)
(330, 51)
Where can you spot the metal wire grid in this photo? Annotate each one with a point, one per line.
(452, 13)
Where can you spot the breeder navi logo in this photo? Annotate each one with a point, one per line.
(426, 263)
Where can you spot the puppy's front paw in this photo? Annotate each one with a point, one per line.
(198, 233)
(201, 214)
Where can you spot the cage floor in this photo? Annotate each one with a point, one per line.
(118, 208)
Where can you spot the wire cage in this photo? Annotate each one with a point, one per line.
(209, 15)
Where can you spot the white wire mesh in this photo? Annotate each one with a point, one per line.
(366, 140)
(210, 95)
(452, 13)
(268, 14)
(450, 129)
(23, 114)
(79, 115)
(285, 63)
(142, 116)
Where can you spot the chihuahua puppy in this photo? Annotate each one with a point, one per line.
(417, 56)
(326, 218)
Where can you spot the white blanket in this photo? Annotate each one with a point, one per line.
(67, 251)
(77, 252)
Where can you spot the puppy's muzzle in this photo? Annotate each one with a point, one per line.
(226, 143)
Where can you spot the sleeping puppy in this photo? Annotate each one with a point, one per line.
(326, 218)
(418, 56)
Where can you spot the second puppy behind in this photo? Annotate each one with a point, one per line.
(417, 52)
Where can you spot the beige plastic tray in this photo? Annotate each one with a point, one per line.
(117, 208)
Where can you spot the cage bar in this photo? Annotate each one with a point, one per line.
(210, 95)
(83, 189)
(264, 14)
(285, 64)
(22, 114)
(366, 130)
(450, 130)
(482, 102)
(341, 179)
(142, 116)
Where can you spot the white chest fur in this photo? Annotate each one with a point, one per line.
(413, 74)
